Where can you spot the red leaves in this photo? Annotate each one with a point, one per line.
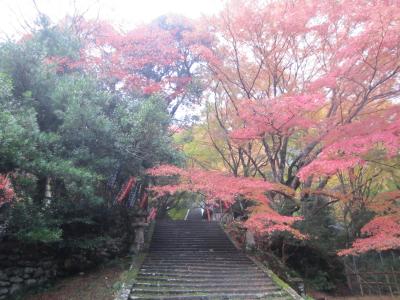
(268, 223)
(283, 115)
(346, 146)
(223, 189)
(215, 186)
(150, 59)
(382, 233)
(6, 191)
(166, 170)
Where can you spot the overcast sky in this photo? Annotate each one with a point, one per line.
(16, 14)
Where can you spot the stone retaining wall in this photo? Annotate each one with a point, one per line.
(23, 267)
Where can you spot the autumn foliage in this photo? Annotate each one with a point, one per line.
(304, 95)
(6, 191)
(156, 58)
(222, 190)
(382, 233)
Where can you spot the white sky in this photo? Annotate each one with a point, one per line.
(15, 14)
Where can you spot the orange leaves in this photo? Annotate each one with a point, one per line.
(387, 202)
(6, 191)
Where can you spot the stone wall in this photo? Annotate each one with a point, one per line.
(28, 266)
(21, 269)
(25, 266)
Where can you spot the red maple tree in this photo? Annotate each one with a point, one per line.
(305, 93)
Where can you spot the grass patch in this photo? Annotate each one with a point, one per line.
(96, 284)
(177, 213)
(278, 281)
(128, 277)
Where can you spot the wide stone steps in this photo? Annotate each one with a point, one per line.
(195, 260)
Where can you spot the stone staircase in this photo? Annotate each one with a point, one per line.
(196, 260)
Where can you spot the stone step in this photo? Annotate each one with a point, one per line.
(217, 257)
(190, 249)
(204, 230)
(206, 253)
(167, 237)
(201, 253)
(174, 291)
(186, 241)
(220, 255)
(223, 273)
(190, 231)
(221, 280)
(199, 261)
(252, 296)
(205, 285)
(212, 232)
(205, 244)
(186, 228)
(179, 223)
(193, 258)
(201, 272)
(179, 237)
(192, 262)
(150, 268)
(198, 276)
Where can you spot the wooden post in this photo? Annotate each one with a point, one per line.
(348, 275)
(379, 288)
(394, 274)
(358, 276)
(386, 276)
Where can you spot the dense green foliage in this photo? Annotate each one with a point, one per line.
(66, 130)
